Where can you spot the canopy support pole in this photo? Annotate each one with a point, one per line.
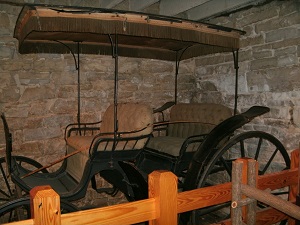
(77, 67)
(177, 62)
(236, 67)
(114, 46)
(78, 87)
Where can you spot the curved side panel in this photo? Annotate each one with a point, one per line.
(211, 142)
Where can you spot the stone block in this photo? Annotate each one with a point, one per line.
(91, 105)
(289, 7)
(207, 86)
(62, 106)
(209, 60)
(260, 15)
(57, 120)
(262, 47)
(227, 68)
(263, 63)
(41, 133)
(277, 23)
(279, 79)
(250, 30)
(296, 116)
(98, 65)
(214, 97)
(64, 78)
(9, 94)
(5, 27)
(286, 43)
(40, 108)
(6, 52)
(5, 79)
(204, 70)
(155, 66)
(15, 65)
(279, 112)
(252, 41)
(186, 66)
(48, 64)
(128, 66)
(37, 93)
(286, 51)
(262, 54)
(282, 34)
(186, 79)
(287, 60)
(31, 148)
(40, 78)
(244, 55)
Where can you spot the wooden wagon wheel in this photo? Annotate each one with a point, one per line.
(8, 190)
(263, 147)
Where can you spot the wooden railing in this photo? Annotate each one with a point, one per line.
(163, 204)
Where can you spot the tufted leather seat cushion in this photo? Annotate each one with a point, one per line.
(206, 116)
(170, 145)
(131, 117)
(189, 119)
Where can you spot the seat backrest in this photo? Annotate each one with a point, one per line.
(196, 118)
(8, 144)
(132, 117)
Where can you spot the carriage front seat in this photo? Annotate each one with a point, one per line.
(135, 125)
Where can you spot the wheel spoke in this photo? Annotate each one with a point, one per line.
(6, 182)
(269, 162)
(258, 148)
(242, 148)
(225, 164)
(6, 195)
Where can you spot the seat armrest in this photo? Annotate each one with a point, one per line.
(106, 141)
(190, 140)
(82, 129)
(160, 127)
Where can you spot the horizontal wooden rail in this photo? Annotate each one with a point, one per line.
(273, 201)
(164, 202)
(245, 194)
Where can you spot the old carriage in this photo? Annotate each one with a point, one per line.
(198, 143)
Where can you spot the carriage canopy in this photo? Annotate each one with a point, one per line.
(42, 29)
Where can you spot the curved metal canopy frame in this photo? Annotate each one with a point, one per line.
(45, 28)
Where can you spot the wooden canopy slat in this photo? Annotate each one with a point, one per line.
(139, 35)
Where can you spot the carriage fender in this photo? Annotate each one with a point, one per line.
(210, 143)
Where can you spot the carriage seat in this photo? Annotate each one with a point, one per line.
(135, 125)
(188, 125)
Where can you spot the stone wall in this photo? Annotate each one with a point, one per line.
(38, 92)
(269, 69)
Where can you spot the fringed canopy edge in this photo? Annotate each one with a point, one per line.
(42, 30)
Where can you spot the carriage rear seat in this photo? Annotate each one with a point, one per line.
(186, 121)
(134, 118)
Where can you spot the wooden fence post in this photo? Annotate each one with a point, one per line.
(45, 206)
(244, 171)
(163, 187)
